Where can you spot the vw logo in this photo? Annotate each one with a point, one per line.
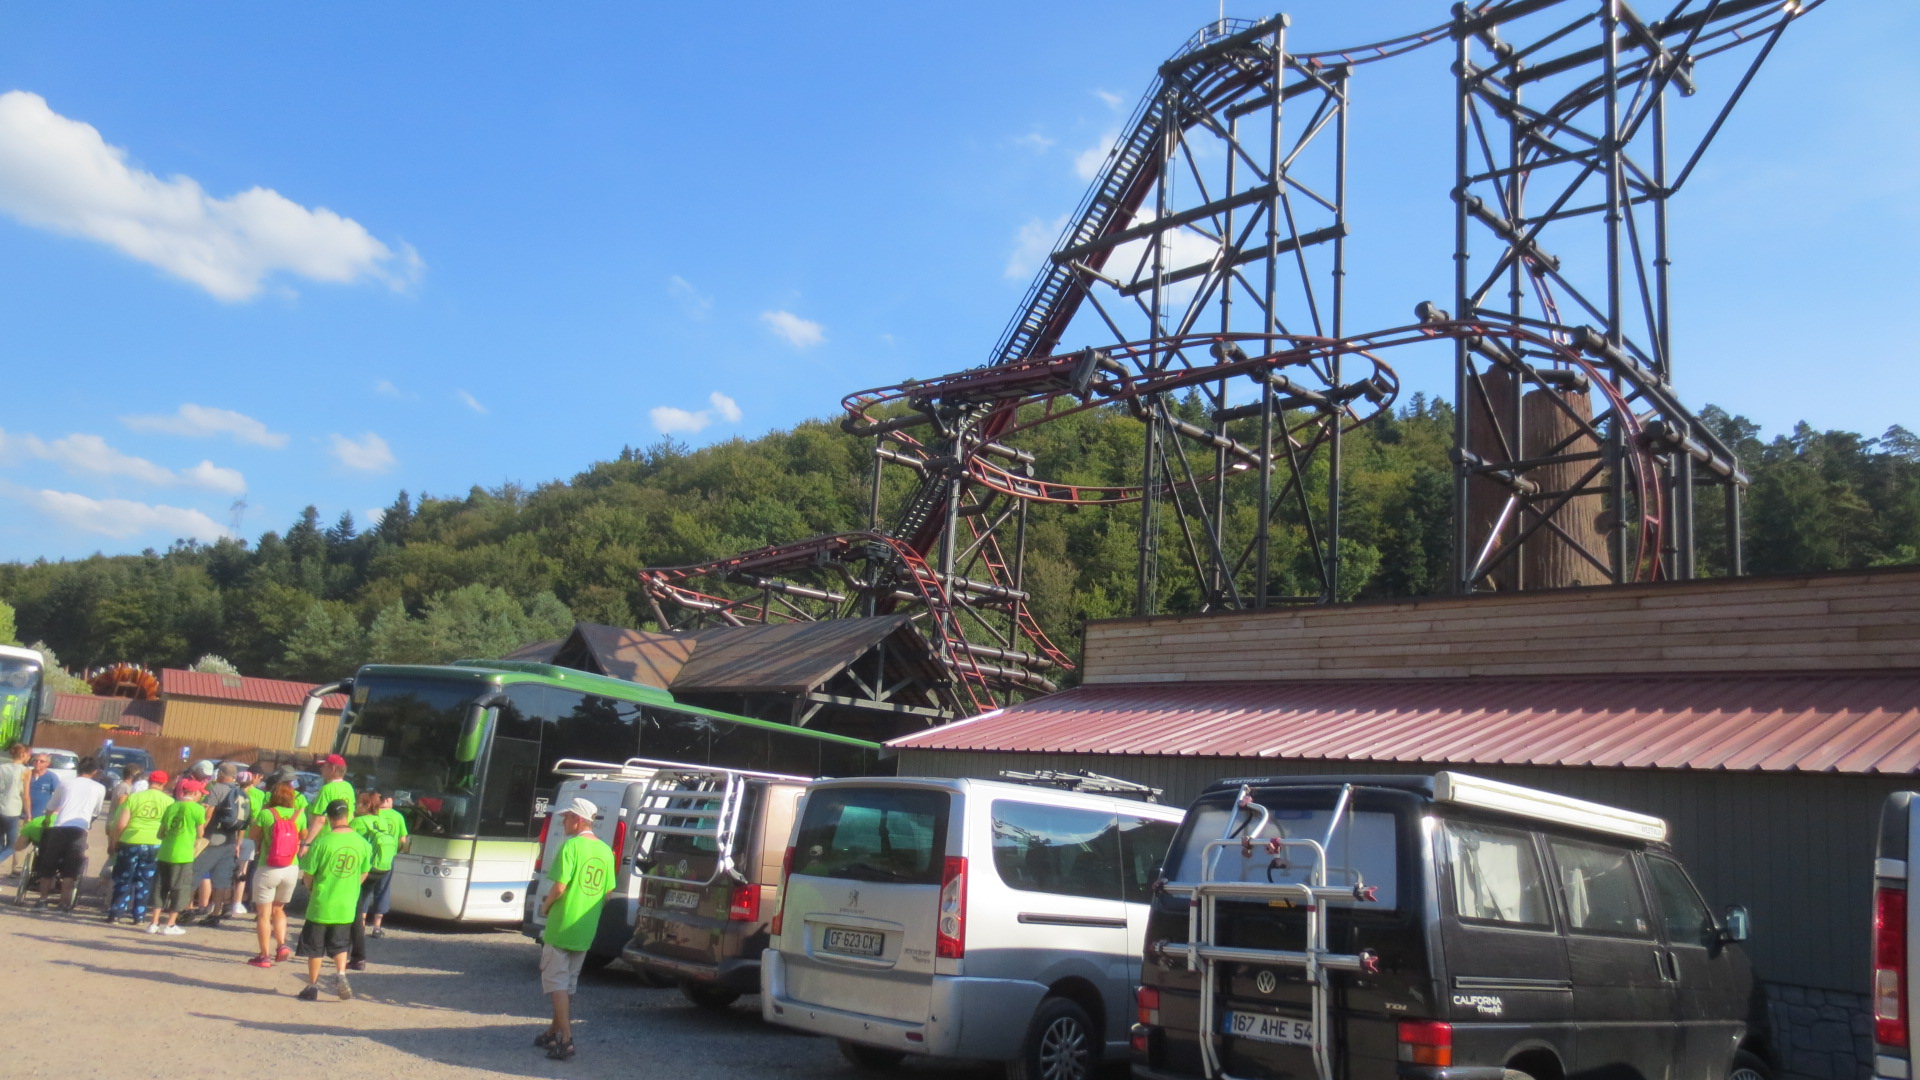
(1265, 982)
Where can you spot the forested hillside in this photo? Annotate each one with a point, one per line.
(441, 577)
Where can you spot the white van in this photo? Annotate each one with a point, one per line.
(964, 919)
(616, 792)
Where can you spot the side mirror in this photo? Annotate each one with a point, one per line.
(309, 714)
(1737, 925)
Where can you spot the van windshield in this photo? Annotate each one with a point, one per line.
(1365, 849)
(874, 834)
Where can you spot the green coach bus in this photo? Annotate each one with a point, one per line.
(467, 752)
(22, 694)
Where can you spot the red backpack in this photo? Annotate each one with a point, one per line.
(283, 840)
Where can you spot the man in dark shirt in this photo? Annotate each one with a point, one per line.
(227, 817)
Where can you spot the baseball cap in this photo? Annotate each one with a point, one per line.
(337, 807)
(582, 808)
(190, 786)
(203, 768)
(333, 759)
(157, 777)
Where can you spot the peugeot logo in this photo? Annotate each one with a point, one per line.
(1265, 982)
(853, 898)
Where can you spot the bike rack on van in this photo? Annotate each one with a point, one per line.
(1203, 950)
(709, 798)
(1083, 781)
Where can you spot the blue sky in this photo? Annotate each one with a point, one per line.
(317, 255)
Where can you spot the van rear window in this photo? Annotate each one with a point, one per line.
(873, 834)
(1365, 849)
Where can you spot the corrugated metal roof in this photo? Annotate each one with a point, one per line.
(1830, 722)
(120, 712)
(205, 684)
(788, 657)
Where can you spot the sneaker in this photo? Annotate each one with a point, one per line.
(345, 990)
(237, 911)
(377, 932)
(283, 954)
(212, 922)
(309, 992)
(175, 931)
(356, 965)
(261, 961)
(153, 928)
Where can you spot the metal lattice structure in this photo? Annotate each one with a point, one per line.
(1201, 286)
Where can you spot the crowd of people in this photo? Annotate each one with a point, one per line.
(197, 849)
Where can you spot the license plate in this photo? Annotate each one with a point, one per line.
(853, 942)
(1268, 1028)
(681, 898)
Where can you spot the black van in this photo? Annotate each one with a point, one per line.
(1440, 927)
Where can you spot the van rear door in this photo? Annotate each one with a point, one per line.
(862, 903)
(1895, 945)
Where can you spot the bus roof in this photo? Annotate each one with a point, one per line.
(17, 653)
(509, 672)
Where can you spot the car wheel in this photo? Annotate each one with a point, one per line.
(870, 1058)
(708, 996)
(1748, 1066)
(1061, 1044)
(596, 961)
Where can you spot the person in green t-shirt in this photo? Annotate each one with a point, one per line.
(133, 839)
(369, 826)
(334, 866)
(582, 873)
(182, 825)
(333, 788)
(276, 870)
(382, 890)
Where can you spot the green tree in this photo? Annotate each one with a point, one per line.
(214, 664)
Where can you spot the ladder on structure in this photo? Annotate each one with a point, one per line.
(1206, 956)
(698, 801)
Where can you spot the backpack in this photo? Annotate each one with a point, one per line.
(283, 839)
(231, 814)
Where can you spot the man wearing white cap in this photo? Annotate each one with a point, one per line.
(581, 875)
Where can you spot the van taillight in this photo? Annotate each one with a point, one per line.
(1890, 967)
(744, 904)
(540, 849)
(1426, 1042)
(780, 902)
(950, 936)
(1148, 1000)
(620, 842)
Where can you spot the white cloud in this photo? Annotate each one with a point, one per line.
(1031, 246)
(385, 388)
(693, 303)
(374, 517)
(1035, 142)
(669, 420)
(368, 453)
(794, 330)
(202, 422)
(61, 175)
(1112, 100)
(121, 518)
(1088, 163)
(91, 454)
(470, 402)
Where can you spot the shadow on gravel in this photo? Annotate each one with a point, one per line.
(171, 978)
(486, 1047)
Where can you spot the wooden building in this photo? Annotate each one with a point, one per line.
(203, 707)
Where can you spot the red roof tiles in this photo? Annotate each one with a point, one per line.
(1840, 723)
(203, 684)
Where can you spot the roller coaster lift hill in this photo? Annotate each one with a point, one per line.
(1207, 262)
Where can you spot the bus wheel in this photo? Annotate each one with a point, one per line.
(1746, 1066)
(707, 995)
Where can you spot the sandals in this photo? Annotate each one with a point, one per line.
(543, 1040)
(560, 1050)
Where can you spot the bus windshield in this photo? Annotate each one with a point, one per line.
(19, 689)
(403, 740)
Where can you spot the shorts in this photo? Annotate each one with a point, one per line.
(560, 969)
(173, 886)
(274, 884)
(216, 863)
(63, 851)
(324, 939)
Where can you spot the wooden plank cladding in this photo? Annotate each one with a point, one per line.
(1859, 620)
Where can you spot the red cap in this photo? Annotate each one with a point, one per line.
(334, 759)
(157, 777)
(190, 787)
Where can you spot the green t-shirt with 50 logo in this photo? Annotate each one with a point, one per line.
(143, 810)
(337, 860)
(180, 826)
(585, 866)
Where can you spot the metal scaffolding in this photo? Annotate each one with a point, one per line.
(1201, 286)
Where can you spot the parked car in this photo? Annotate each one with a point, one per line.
(964, 919)
(712, 842)
(119, 758)
(615, 791)
(1896, 911)
(1462, 927)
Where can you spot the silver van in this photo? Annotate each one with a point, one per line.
(964, 919)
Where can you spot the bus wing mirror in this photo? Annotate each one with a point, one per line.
(1737, 925)
(310, 713)
(473, 729)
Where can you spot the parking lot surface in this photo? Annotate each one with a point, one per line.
(80, 998)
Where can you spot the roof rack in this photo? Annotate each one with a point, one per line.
(1080, 780)
(699, 801)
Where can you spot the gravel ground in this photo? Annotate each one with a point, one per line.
(84, 999)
